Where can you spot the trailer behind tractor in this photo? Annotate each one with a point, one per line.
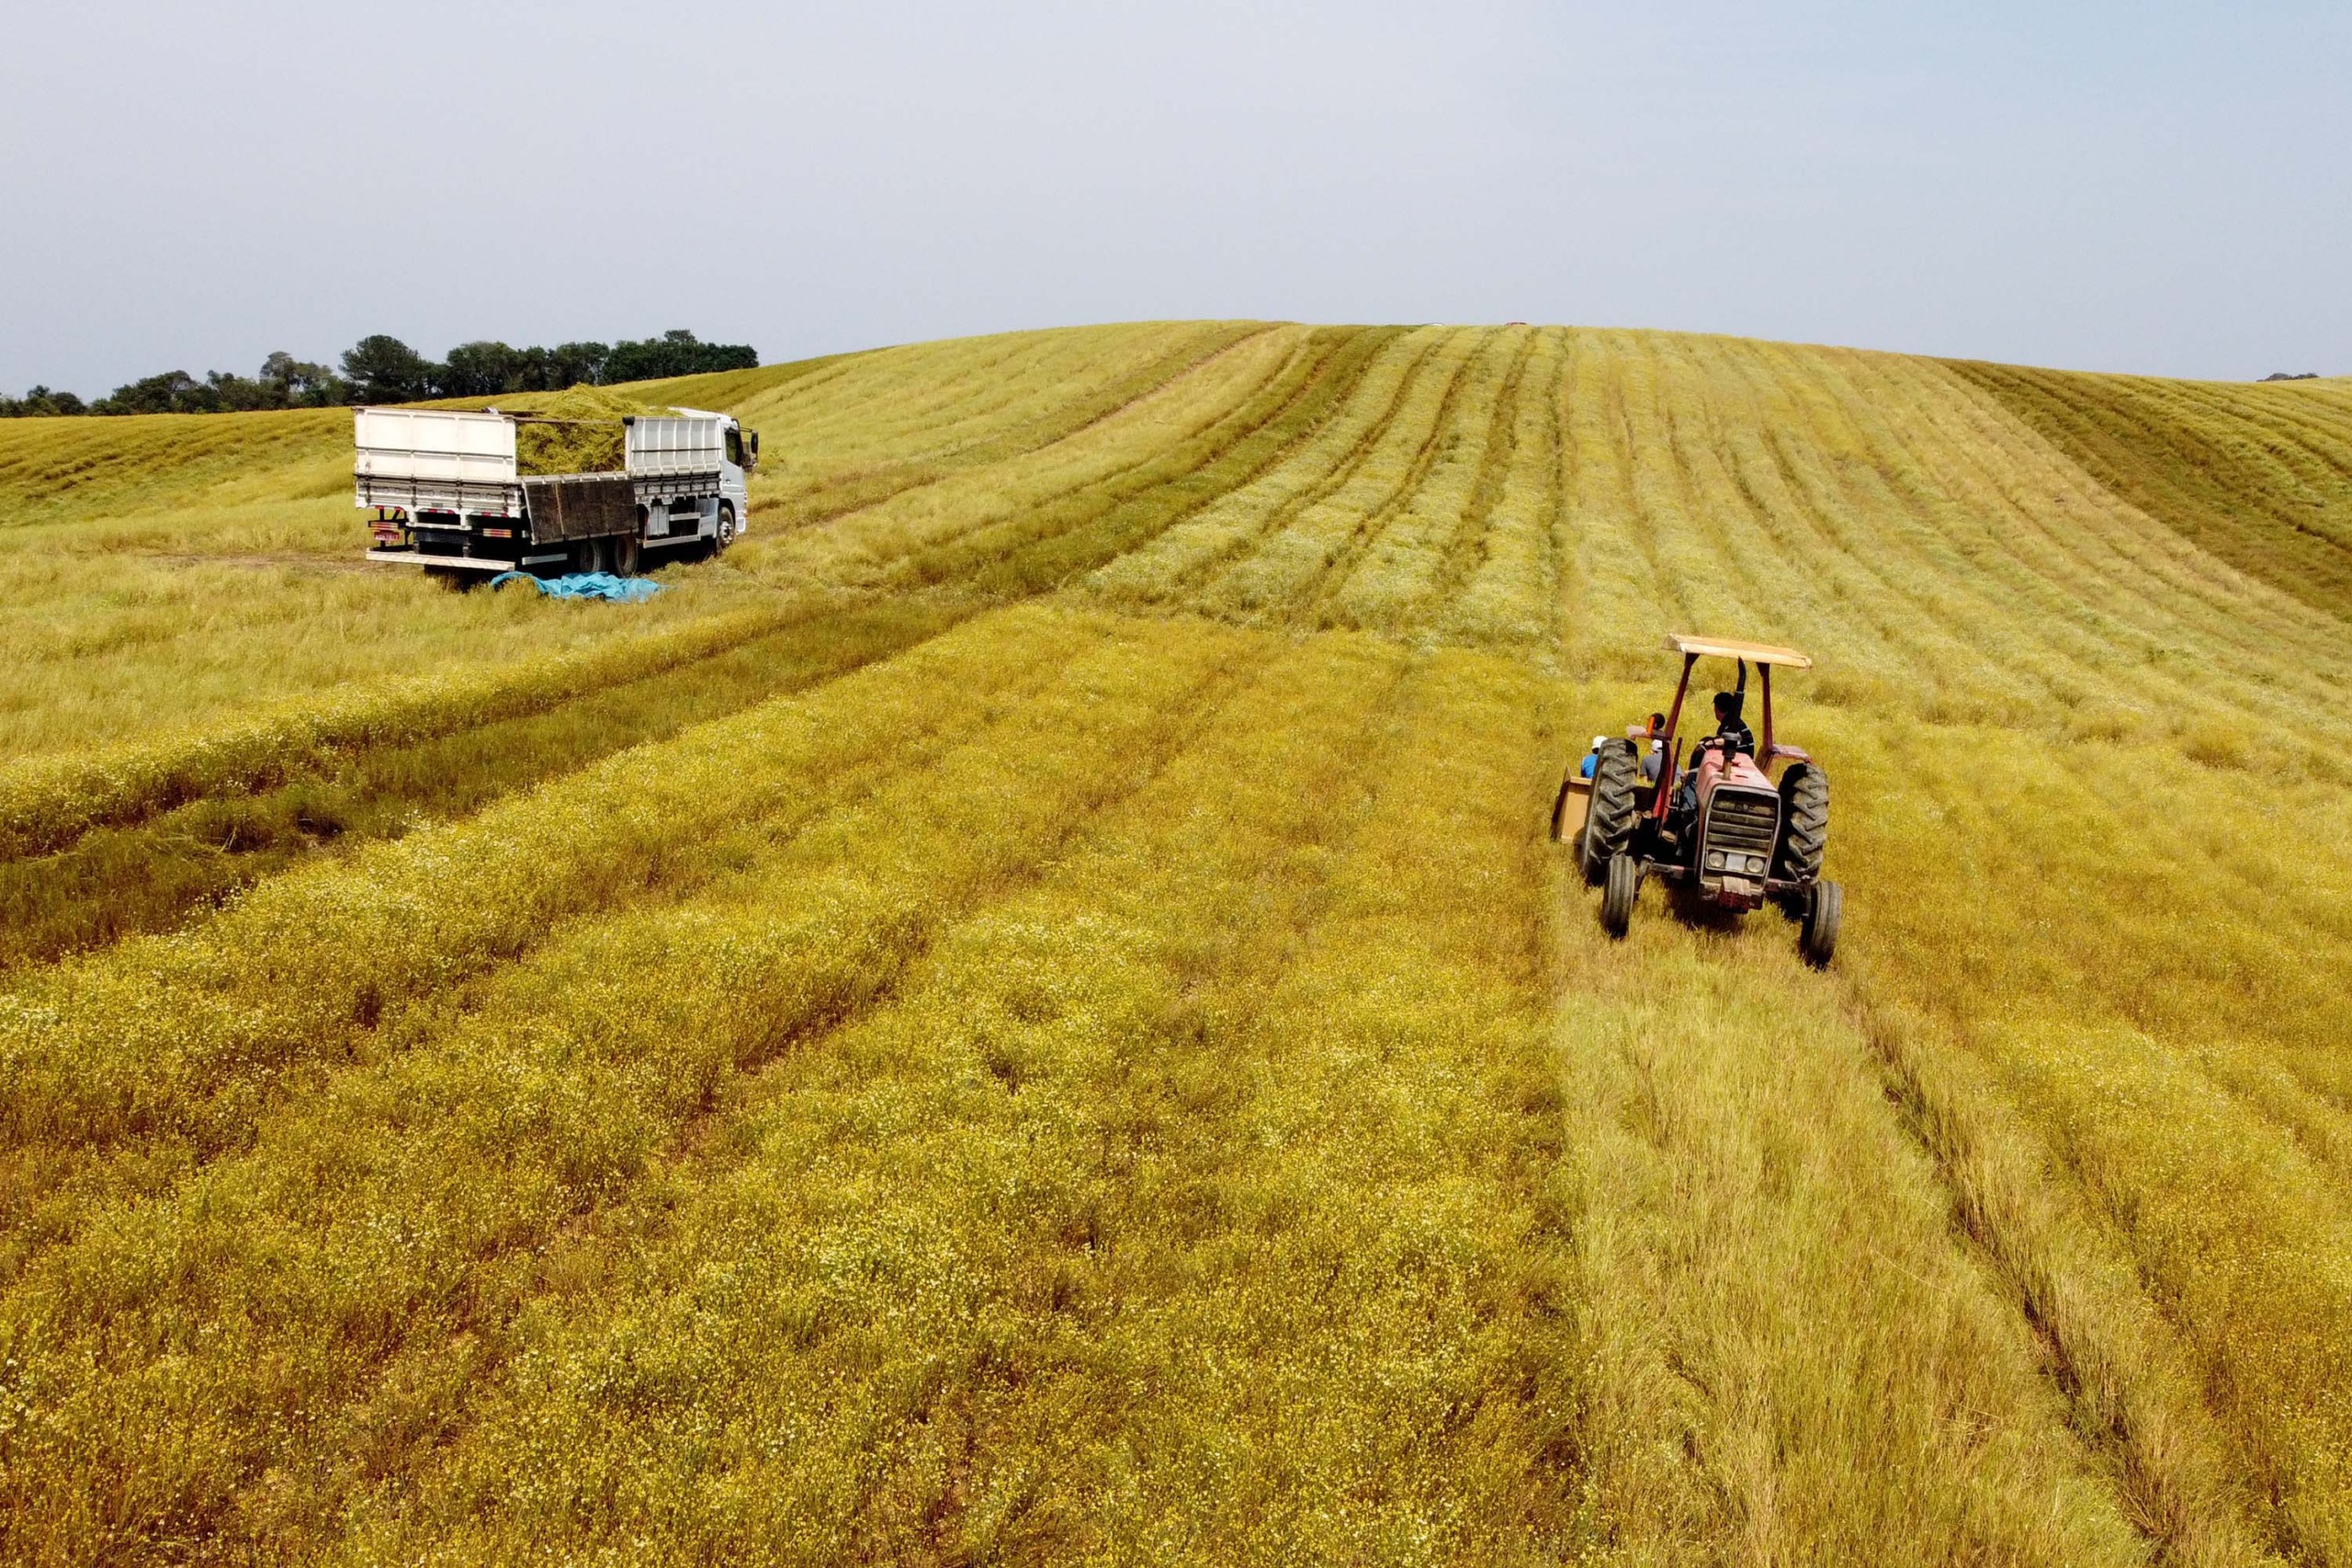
(449, 495)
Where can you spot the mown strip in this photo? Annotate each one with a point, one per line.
(2212, 473)
(121, 882)
(1056, 543)
(836, 496)
(1185, 1205)
(123, 1070)
(47, 803)
(362, 1265)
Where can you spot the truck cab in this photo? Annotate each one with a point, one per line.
(691, 469)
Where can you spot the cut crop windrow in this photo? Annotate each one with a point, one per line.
(1322, 436)
(118, 883)
(1392, 571)
(1298, 549)
(1140, 447)
(1186, 482)
(1513, 593)
(1008, 1213)
(1469, 547)
(874, 487)
(125, 1069)
(46, 804)
(574, 1077)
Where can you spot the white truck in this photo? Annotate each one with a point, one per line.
(448, 496)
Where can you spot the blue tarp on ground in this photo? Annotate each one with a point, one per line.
(586, 585)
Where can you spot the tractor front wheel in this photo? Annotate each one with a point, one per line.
(1608, 821)
(1617, 899)
(1817, 939)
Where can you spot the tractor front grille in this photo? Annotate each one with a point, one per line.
(1742, 822)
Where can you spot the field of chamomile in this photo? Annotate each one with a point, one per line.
(1029, 1010)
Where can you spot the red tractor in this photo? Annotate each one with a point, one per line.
(1721, 829)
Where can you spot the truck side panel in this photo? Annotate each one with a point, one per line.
(435, 460)
(579, 506)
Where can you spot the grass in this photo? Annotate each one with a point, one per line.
(1027, 1014)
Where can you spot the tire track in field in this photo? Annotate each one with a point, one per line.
(2155, 1360)
(827, 943)
(1772, 1332)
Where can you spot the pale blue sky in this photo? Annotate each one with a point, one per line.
(2153, 188)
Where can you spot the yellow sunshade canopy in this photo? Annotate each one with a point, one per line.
(1724, 647)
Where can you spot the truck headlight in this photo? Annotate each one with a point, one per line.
(1715, 860)
(1756, 864)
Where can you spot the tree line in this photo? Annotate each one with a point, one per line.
(382, 370)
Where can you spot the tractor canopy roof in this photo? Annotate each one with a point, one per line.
(1727, 647)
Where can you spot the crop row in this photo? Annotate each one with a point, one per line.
(1184, 1204)
(46, 803)
(119, 882)
(283, 1310)
(121, 1070)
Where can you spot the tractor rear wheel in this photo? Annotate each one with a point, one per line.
(1608, 822)
(1617, 899)
(1818, 940)
(1805, 824)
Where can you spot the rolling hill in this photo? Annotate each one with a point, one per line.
(1028, 1012)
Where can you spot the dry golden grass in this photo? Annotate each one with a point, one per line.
(1126, 1078)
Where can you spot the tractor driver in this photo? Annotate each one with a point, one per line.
(1732, 735)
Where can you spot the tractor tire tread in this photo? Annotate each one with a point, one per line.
(1609, 823)
(1805, 824)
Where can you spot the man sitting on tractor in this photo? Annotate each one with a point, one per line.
(1732, 735)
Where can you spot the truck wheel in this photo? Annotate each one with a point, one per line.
(1608, 822)
(725, 535)
(1818, 940)
(1805, 824)
(629, 553)
(1617, 899)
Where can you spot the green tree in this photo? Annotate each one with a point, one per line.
(384, 370)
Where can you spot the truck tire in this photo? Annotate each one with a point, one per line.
(628, 554)
(725, 535)
(1817, 939)
(1608, 822)
(1805, 824)
(1617, 898)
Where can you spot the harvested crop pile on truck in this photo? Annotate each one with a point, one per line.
(585, 448)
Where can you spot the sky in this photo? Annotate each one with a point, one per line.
(2155, 188)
